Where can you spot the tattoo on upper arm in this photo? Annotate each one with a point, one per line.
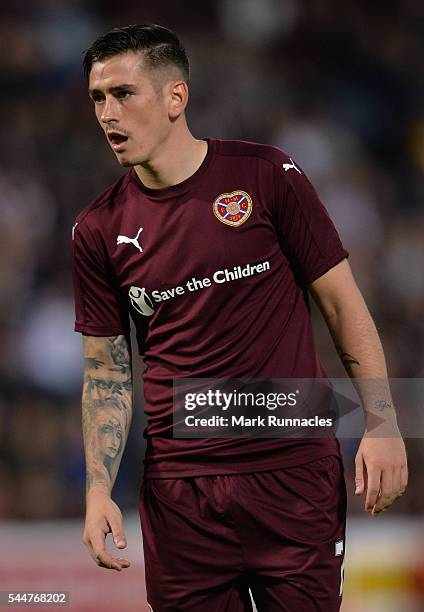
(107, 408)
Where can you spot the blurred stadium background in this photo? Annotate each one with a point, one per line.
(339, 85)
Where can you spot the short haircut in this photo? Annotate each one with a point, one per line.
(160, 47)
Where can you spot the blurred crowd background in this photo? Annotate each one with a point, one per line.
(339, 86)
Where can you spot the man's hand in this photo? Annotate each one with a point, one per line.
(381, 472)
(102, 517)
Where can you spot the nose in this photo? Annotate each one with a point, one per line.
(110, 110)
(115, 441)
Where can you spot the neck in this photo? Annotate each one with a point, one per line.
(178, 159)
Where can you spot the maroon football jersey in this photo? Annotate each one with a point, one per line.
(213, 273)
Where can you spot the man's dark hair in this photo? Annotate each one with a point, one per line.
(160, 47)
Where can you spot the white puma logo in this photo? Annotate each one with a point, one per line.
(288, 166)
(73, 230)
(125, 240)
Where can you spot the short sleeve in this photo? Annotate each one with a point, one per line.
(305, 231)
(99, 308)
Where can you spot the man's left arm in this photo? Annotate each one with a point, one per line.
(381, 464)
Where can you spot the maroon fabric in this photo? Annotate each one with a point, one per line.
(280, 533)
(250, 326)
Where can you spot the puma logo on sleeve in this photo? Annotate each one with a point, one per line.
(292, 165)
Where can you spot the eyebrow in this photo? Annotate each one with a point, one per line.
(113, 89)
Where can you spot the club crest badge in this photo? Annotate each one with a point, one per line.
(233, 208)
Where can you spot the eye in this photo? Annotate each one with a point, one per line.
(123, 94)
(101, 384)
(97, 98)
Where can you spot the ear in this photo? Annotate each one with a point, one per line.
(178, 98)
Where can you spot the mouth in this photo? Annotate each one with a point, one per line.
(117, 140)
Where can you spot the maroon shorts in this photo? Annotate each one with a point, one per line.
(210, 540)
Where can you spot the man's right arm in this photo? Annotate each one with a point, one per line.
(107, 402)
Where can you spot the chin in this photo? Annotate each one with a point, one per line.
(129, 163)
(126, 163)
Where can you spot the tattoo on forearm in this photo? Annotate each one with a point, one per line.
(91, 363)
(105, 387)
(120, 355)
(348, 360)
(107, 408)
(382, 405)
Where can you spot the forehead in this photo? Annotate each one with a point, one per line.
(113, 71)
(110, 420)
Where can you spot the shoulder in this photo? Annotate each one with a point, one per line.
(254, 150)
(269, 164)
(95, 210)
